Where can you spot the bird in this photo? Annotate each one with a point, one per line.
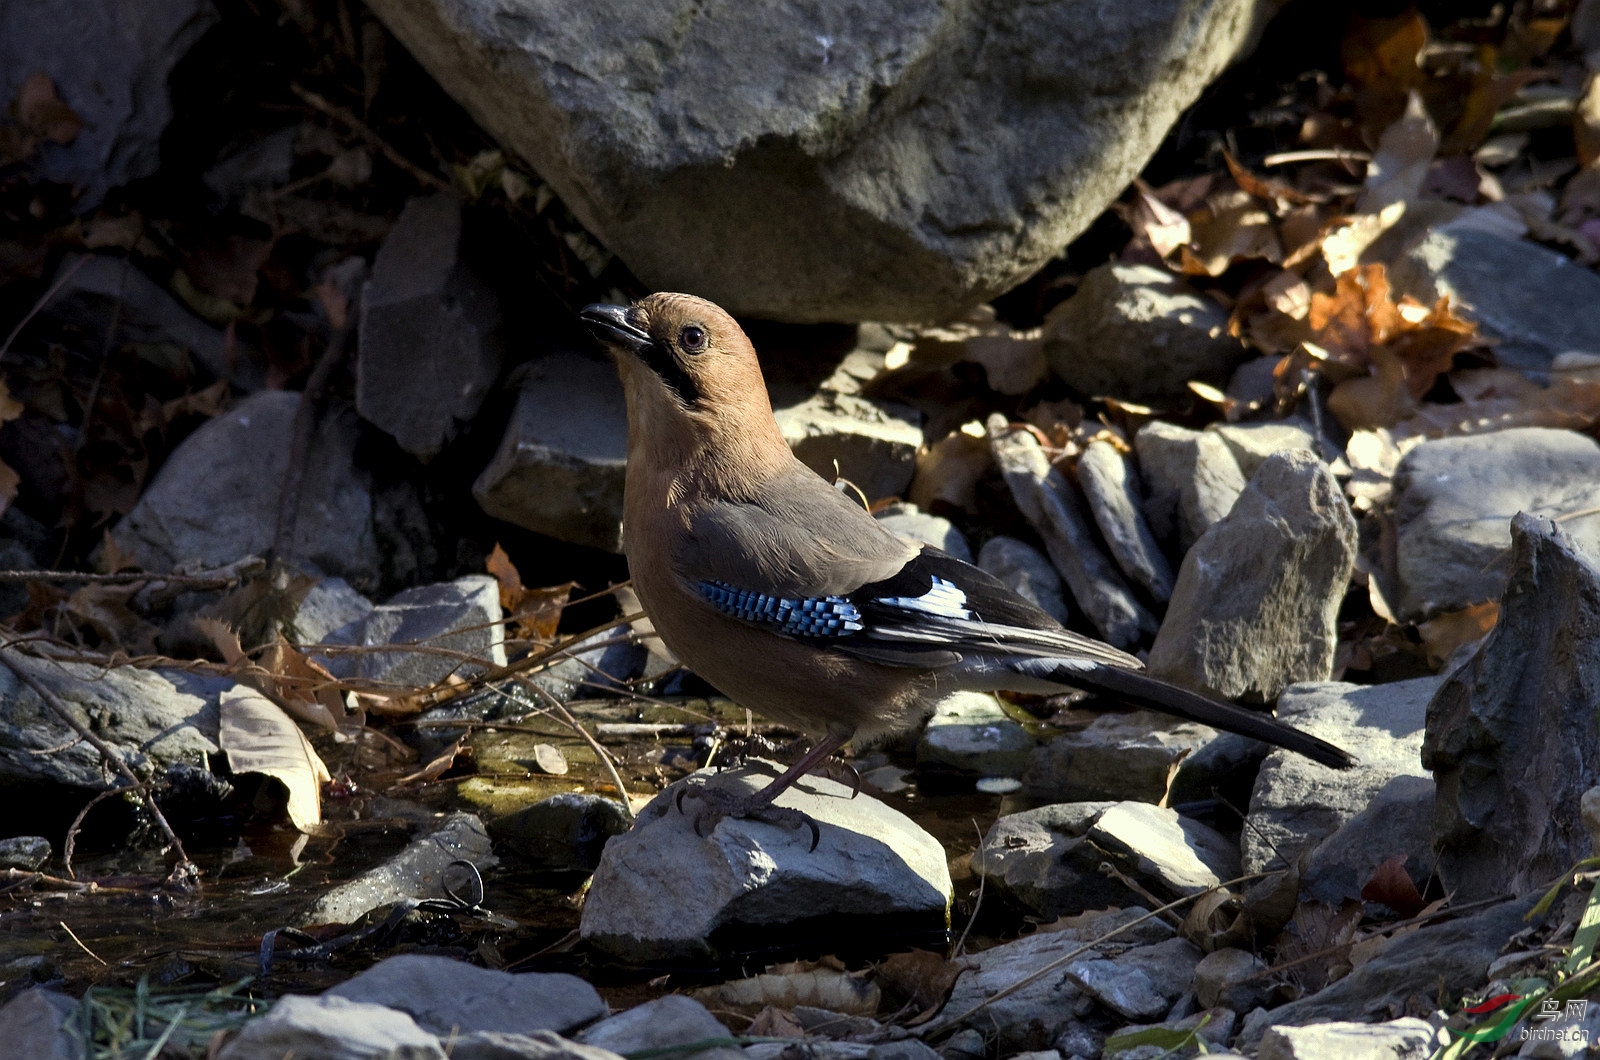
(788, 596)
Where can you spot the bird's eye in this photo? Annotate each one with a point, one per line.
(692, 338)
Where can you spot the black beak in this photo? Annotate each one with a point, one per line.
(610, 325)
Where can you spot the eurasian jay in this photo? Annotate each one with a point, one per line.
(795, 602)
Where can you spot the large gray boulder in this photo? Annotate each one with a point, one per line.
(829, 160)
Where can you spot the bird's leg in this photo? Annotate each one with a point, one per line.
(759, 806)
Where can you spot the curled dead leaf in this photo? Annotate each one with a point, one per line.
(799, 983)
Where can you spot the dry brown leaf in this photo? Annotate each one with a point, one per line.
(1443, 634)
(42, 113)
(774, 1022)
(1390, 885)
(1400, 164)
(506, 574)
(1382, 59)
(949, 470)
(1155, 224)
(920, 978)
(304, 688)
(1263, 187)
(434, 769)
(260, 738)
(1236, 233)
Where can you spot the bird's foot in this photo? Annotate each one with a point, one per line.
(719, 802)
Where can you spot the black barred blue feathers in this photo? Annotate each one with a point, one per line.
(816, 616)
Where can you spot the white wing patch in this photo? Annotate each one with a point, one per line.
(943, 599)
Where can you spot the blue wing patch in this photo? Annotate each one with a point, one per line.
(814, 616)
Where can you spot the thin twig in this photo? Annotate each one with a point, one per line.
(594, 745)
(71, 844)
(73, 935)
(44, 300)
(192, 581)
(983, 878)
(373, 140)
(184, 868)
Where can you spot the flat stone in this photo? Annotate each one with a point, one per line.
(1033, 1016)
(912, 522)
(33, 1024)
(122, 98)
(1192, 478)
(104, 288)
(429, 338)
(1140, 333)
(1111, 486)
(1512, 735)
(1402, 1039)
(971, 731)
(460, 616)
(666, 1021)
(1453, 501)
(1398, 820)
(154, 719)
(329, 605)
(1027, 572)
(1121, 755)
(1297, 803)
(1256, 605)
(663, 892)
(1048, 859)
(447, 996)
(1211, 1029)
(215, 500)
(1451, 956)
(417, 872)
(562, 834)
(559, 469)
(331, 1028)
(895, 162)
(1142, 983)
(1049, 503)
(873, 444)
(24, 852)
(1252, 443)
(1537, 304)
(1231, 978)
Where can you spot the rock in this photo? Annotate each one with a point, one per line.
(912, 522)
(152, 719)
(662, 892)
(216, 498)
(1142, 983)
(848, 164)
(1026, 571)
(1112, 489)
(1232, 979)
(1048, 858)
(331, 1028)
(1512, 735)
(666, 1021)
(1449, 956)
(1397, 820)
(1252, 443)
(24, 852)
(416, 872)
(461, 616)
(1297, 803)
(559, 470)
(592, 670)
(1032, 1016)
(970, 731)
(1051, 506)
(447, 996)
(1192, 477)
(563, 834)
(541, 1045)
(1256, 605)
(1402, 1039)
(1137, 332)
(33, 1024)
(429, 338)
(121, 99)
(264, 163)
(873, 444)
(103, 289)
(1453, 501)
(327, 606)
(1122, 755)
(1534, 302)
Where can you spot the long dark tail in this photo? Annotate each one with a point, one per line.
(1143, 690)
